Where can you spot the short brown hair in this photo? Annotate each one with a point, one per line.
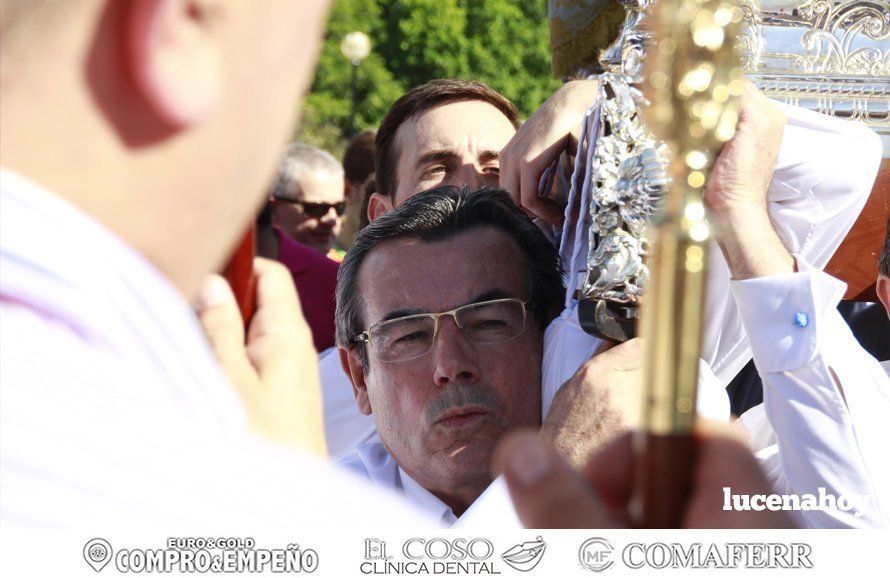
(358, 160)
(419, 100)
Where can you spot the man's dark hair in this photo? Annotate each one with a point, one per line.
(358, 160)
(439, 214)
(416, 102)
(884, 259)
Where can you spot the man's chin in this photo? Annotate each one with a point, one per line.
(322, 243)
(469, 458)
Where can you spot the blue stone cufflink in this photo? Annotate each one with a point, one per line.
(801, 319)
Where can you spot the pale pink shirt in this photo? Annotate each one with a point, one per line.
(113, 410)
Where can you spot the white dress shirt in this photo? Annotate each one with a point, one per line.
(345, 427)
(823, 176)
(824, 420)
(811, 431)
(113, 411)
(371, 461)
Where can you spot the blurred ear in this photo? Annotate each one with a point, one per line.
(352, 364)
(883, 289)
(275, 209)
(378, 205)
(175, 57)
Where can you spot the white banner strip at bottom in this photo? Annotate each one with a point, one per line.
(548, 553)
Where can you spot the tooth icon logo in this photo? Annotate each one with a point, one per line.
(524, 557)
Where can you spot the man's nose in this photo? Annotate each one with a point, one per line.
(455, 356)
(472, 177)
(330, 217)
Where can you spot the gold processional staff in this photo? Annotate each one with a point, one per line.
(693, 81)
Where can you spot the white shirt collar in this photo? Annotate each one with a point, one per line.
(425, 499)
(372, 462)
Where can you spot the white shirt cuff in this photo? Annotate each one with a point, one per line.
(785, 315)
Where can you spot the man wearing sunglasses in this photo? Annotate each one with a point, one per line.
(298, 226)
(308, 199)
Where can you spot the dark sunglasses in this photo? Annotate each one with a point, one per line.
(315, 210)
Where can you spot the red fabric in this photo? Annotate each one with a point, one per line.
(316, 279)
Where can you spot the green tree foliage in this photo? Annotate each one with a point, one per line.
(504, 43)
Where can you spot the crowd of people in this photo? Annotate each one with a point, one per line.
(416, 333)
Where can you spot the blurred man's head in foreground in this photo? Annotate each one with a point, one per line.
(148, 115)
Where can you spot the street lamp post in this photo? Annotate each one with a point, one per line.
(356, 46)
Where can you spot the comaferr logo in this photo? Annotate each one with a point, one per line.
(661, 555)
(524, 557)
(596, 554)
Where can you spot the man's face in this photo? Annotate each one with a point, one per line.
(442, 414)
(453, 144)
(304, 221)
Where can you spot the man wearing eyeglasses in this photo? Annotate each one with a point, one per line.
(442, 347)
(308, 198)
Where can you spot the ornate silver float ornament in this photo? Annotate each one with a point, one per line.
(831, 56)
(828, 56)
(625, 177)
(627, 181)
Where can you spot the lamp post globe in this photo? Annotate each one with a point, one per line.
(356, 46)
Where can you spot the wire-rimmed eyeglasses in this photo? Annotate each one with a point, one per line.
(410, 337)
